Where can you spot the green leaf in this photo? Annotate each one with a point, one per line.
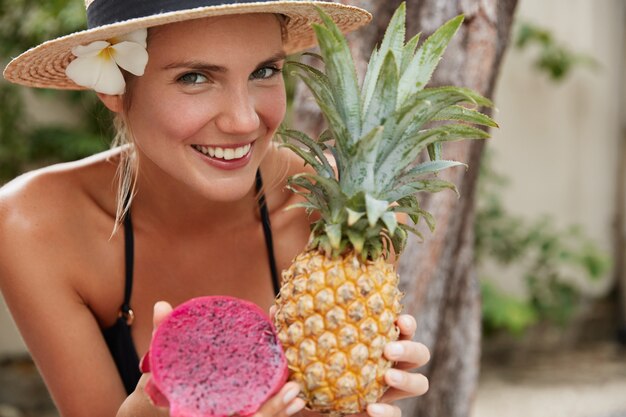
(426, 59)
(431, 186)
(464, 114)
(385, 91)
(398, 240)
(448, 133)
(407, 151)
(435, 151)
(429, 218)
(398, 139)
(330, 192)
(354, 216)
(408, 52)
(392, 43)
(409, 205)
(356, 239)
(333, 231)
(319, 85)
(315, 195)
(374, 208)
(325, 136)
(411, 229)
(359, 171)
(429, 167)
(390, 220)
(341, 71)
(317, 158)
(304, 204)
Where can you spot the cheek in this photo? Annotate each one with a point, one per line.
(172, 116)
(272, 107)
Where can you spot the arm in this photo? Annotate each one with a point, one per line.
(58, 327)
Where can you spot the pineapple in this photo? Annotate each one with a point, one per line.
(339, 300)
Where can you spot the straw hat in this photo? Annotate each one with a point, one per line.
(44, 65)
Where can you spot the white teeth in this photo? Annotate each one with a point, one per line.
(224, 153)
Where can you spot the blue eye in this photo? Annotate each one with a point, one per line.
(265, 73)
(192, 78)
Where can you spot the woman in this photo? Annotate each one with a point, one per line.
(198, 102)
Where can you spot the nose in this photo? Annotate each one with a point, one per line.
(237, 115)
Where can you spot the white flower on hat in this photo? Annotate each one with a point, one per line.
(97, 65)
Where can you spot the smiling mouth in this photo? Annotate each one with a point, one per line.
(226, 154)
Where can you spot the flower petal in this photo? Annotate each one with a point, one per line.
(90, 50)
(110, 79)
(138, 36)
(84, 70)
(130, 56)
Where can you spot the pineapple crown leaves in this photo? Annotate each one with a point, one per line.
(376, 134)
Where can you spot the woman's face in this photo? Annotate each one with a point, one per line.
(212, 96)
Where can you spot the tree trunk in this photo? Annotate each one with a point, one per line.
(437, 275)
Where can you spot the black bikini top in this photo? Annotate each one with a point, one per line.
(118, 337)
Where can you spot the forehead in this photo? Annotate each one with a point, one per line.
(222, 35)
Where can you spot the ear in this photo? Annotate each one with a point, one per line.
(113, 103)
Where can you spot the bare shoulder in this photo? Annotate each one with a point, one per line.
(46, 199)
(43, 213)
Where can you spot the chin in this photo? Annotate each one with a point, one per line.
(230, 189)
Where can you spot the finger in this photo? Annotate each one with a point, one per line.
(407, 326)
(160, 311)
(410, 354)
(404, 384)
(283, 404)
(383, 410)
(272, 312)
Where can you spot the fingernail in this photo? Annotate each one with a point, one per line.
(394, 376)
(291, 394)
(144, 364)
(395, 349)
(376, 409)
(406, 321)
(294, 408)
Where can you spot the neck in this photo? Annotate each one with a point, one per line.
(171, 205)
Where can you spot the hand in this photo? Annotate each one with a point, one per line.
(138, 403)
(285, 403)
(407, 355)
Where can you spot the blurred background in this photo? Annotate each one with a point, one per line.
(550, 228)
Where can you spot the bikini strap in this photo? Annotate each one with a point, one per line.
(267, 232)
(129, 250)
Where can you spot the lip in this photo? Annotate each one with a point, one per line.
(227, 165)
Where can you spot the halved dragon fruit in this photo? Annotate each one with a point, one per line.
(215, 356)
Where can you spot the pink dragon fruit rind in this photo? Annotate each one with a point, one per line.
(216, 356)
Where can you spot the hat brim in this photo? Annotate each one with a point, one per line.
(44, 65)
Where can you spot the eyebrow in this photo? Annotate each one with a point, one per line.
(203, 66)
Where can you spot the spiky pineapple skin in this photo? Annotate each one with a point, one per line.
(334, 317)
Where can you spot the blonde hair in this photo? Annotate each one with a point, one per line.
(127, 167)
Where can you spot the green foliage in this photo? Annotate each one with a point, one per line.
(554, 59)
(548, 257)
(23, 144)
(504, 312)
(13, 149)
(26, 23)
